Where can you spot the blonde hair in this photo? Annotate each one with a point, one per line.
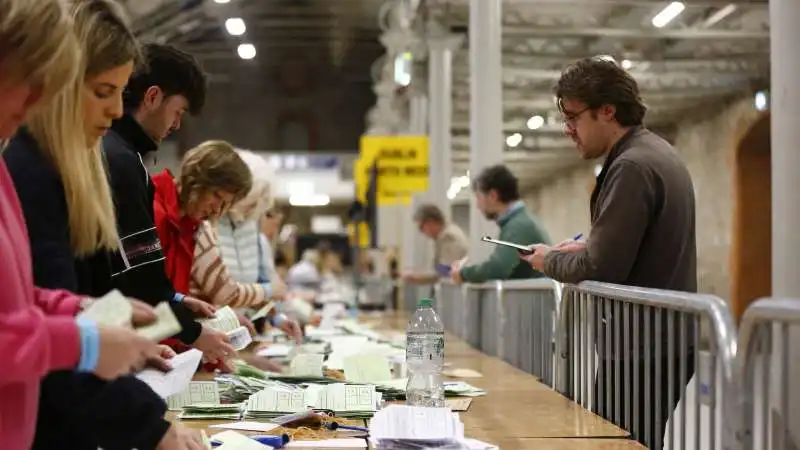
(260, 197)
(106, 43)
(45, 59)
(211, 166)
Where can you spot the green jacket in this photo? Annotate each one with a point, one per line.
(518, 226)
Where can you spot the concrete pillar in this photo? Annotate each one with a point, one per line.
(486, 108)
(784, 17)
(416, 248)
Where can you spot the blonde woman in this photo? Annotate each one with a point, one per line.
(38, 331)
(56, 165)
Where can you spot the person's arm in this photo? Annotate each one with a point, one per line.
(104, 410)
(499, 266)
(140, 272)
(624, 212)
(211, 278)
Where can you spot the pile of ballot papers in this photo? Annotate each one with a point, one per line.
(416, 427)
(210, 411)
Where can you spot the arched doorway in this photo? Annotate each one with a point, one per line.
(751, 243)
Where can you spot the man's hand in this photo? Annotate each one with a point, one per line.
(570, 246)
(245, 322)
(455, 272)
(315, 319)
(292, 329)
(143, 314)
(536, 259)
(179, 437)
(122, 350)
(214, 344)
(200, 308)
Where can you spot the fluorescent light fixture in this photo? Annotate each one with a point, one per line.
(457, 184)
(666, 15)
(402, 69)
(761, 101)
(309, 200)
(247, 51)
(222, 1)
(535, 122)
(514, 140)
(626, 64)
(235, 26)
(720, 15)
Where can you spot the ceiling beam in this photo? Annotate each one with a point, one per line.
(633, 33)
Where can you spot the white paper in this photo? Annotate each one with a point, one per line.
(165, 325)
(247, 426)
(263, 311)
(275, 351)
(307, 364)
(240, 338)
(402, 422)
(330, 312)
(177, 380)
(224, 320)
(111, 309)
(329, 443)
(232, 440)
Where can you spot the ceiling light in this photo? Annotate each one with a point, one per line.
(514, 140)
(222, 1)
(309, 200)
(626, 64)
(718, 16)
(535, 122)
(761, 101)
(247, 51)
(666, 15)
(235, 26)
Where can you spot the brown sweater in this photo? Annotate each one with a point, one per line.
(642, 221)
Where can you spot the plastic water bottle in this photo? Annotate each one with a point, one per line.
(425, 357)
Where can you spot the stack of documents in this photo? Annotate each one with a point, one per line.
(401, 426)
(237, 389)
(226, 321)
(210, 411)
(462, 389)
(115, 309)
(345, 400)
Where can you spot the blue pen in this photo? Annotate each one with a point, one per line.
(272, 441)
(577, 236)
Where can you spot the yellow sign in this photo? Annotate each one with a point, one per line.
(363, 234)
(402, 164)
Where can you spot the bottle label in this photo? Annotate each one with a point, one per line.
(425, 347)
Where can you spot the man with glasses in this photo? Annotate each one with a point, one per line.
(642, 214)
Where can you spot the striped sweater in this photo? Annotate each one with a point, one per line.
(211, 280)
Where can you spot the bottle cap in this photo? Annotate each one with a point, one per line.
(425, 303)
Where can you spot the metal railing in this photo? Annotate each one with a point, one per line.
(768, 346)
(628, 354)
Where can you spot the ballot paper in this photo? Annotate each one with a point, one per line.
(275, 351)
(416, 423)
(329, 443)
(176, 380)
(263, 311)
(112, 309)
(224, 320)
(247, 426)
(330, 313)
(367, 369)
(197, 392)
(165, 325)
(240, 338)
(307, 364)
(115, 309)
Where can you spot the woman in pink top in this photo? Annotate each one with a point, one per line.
(38, 329)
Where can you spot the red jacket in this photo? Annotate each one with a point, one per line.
(177, 235)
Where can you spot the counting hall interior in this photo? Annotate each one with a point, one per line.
(590, 203)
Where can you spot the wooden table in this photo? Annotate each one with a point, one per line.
(518, 412)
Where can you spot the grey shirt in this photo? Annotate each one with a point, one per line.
(642, 221)
(450, 246)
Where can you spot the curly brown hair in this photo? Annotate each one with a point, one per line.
(599, 81)
(213, 166)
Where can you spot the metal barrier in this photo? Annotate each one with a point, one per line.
(412, 293)
(519, 325)
(459, 307)
(610, 343)
(768, 406)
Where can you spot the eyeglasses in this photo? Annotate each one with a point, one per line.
(569, 119)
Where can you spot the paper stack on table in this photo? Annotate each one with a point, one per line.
(210, 411)
(345, 400)
(414, 427)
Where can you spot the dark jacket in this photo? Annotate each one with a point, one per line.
(519, 226)
(643, 221)
(77, 410)
(140, 272)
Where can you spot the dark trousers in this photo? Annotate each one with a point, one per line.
(636, 411)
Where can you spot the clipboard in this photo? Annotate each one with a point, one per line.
(523, 249)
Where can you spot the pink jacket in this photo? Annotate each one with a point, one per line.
(38, 333)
